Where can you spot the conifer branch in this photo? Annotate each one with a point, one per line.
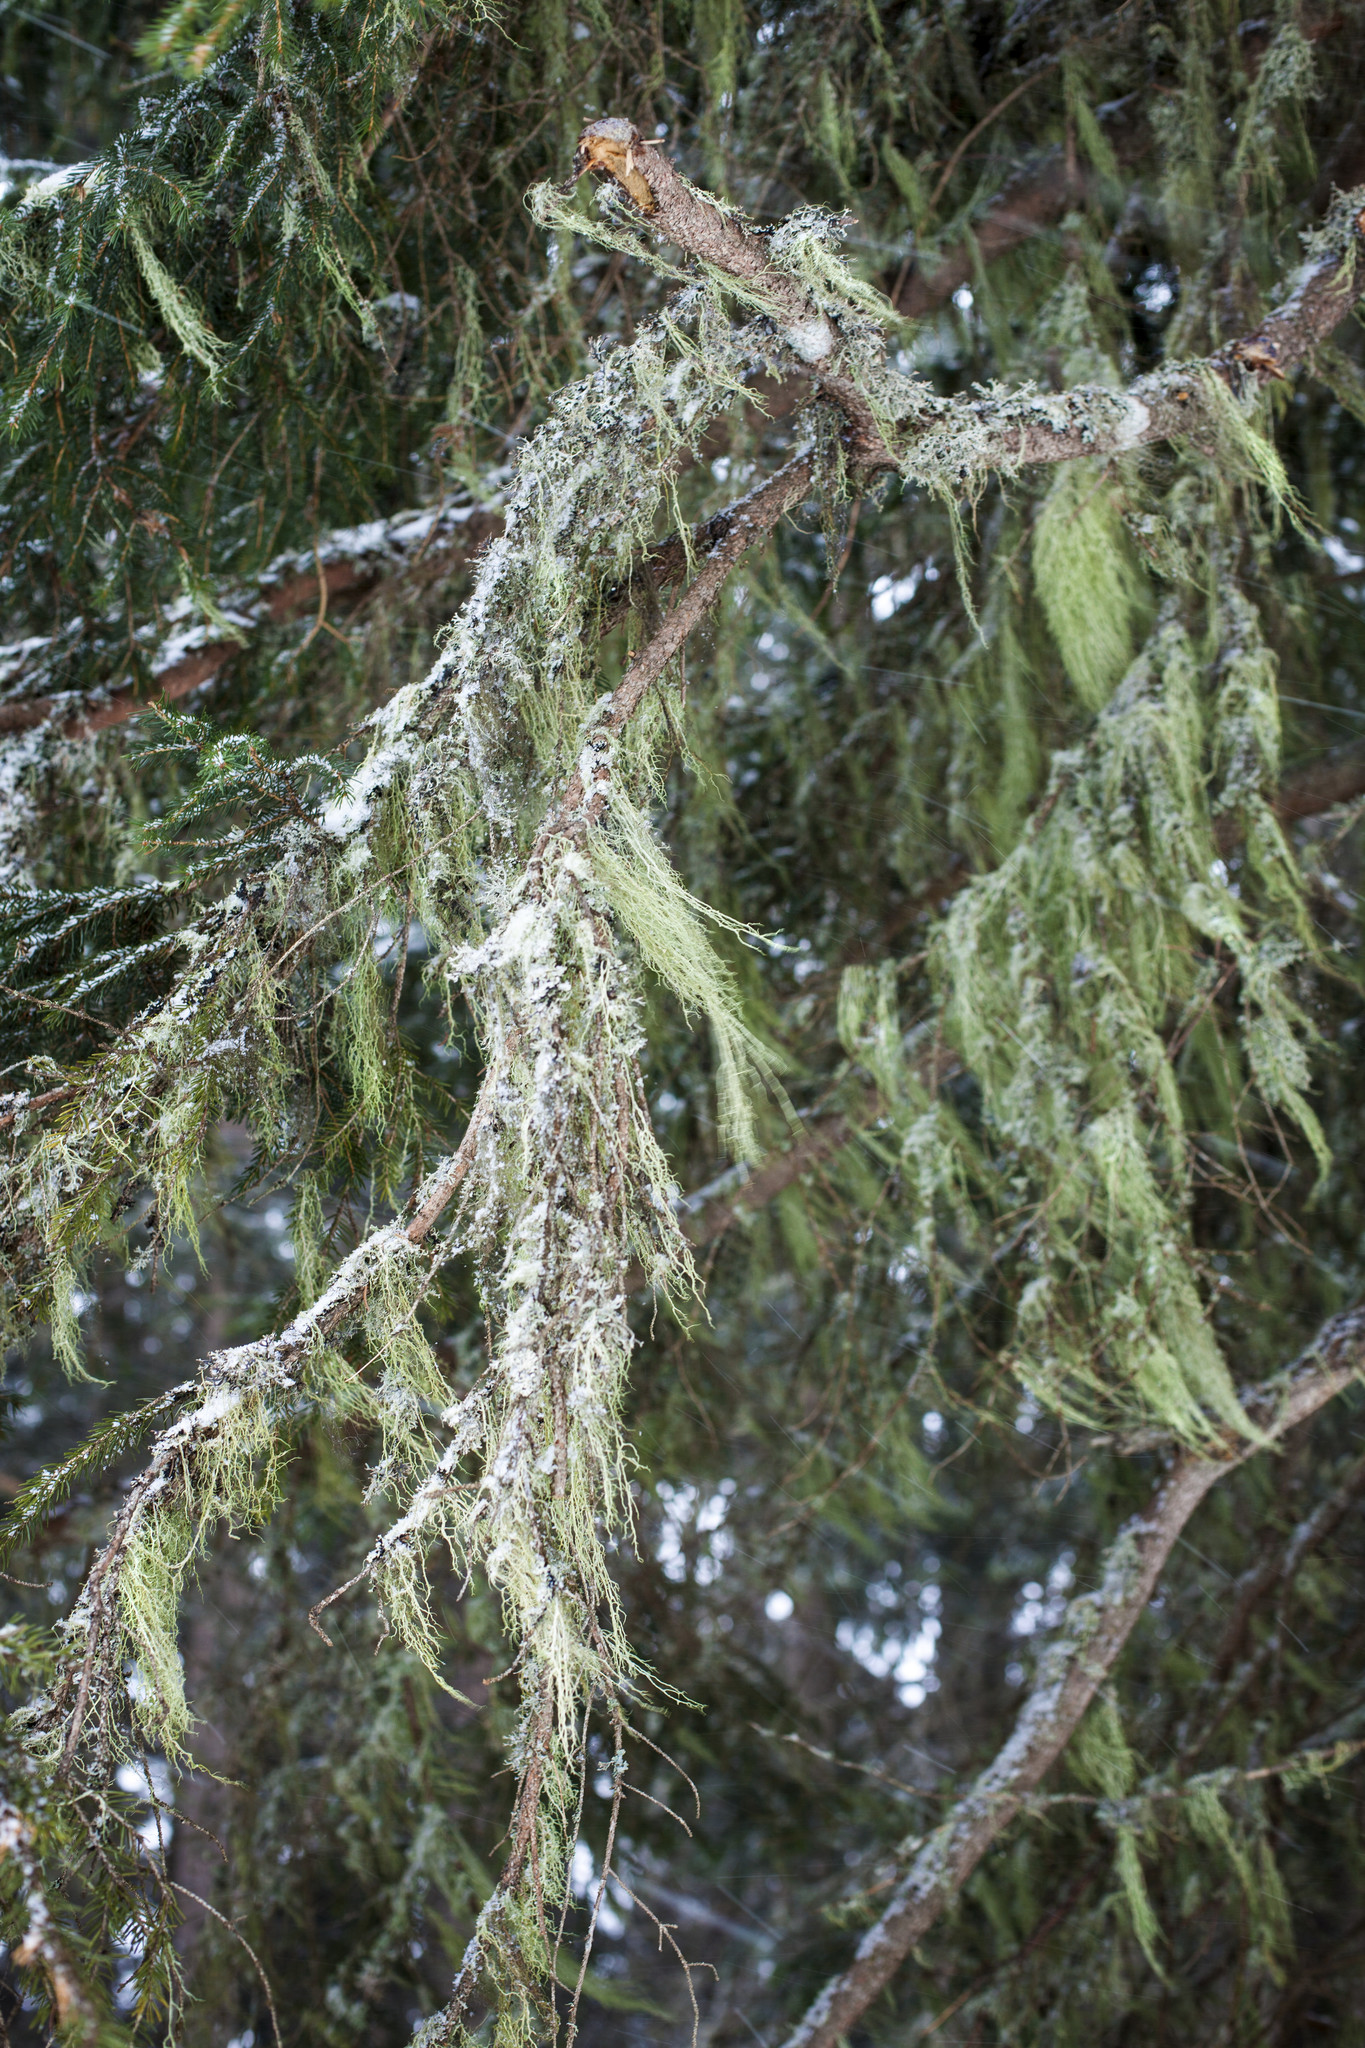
(507, 805)
(950, 444)
(723, 243)
(746, 525)
(353, 563)
(1089, 1642)
(185, 650)
(259, 1377)
(229, 1383)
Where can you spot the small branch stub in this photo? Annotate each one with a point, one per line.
(614, 149)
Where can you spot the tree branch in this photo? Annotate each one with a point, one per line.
(1071, 1671)
(948, 443)
(426, 544)
(188, 651)
(270, 1362)
(614, 150)
(746, 523)
(226, 1378)
(352, 563)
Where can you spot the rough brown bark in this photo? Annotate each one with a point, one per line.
(1091, 1638)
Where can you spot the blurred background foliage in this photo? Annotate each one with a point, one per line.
(854, 1533)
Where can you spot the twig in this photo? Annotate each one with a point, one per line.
(67, 1089)
(842, 563)
(970, 137)
(237, 1935)
(827, 1756)
(19, 995)
(752, 520)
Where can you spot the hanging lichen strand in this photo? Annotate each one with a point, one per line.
(1101, 941)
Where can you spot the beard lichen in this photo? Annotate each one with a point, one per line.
(497, 802)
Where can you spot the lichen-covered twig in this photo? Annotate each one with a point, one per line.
(1073, 1668)
(746, 525)
(230, 1386)
(724, 243)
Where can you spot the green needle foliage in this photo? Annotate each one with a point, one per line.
(637, 1119)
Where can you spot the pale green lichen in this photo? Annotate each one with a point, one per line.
(1092, 590)
(1058, 973)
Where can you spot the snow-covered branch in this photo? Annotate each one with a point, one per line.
(183, 648)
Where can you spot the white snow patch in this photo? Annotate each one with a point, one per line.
(1134, 425)
(813, 340)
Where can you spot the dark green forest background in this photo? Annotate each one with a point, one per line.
(302, 301)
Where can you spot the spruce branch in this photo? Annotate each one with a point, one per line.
(185, 650)
(1111, 998)
(952, 444)
(1090, 1640)
(723, 244)
(511, 749)
(964, 438)
(231, 1385)
(413, 547)
(408, 550)
(746, 525)
(41, 1948)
